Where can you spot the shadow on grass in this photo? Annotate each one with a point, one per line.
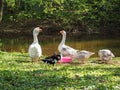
(22, 55)
(52, 80)
(39, 79)
(23, 61)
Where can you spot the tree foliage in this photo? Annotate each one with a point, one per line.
(90, 15)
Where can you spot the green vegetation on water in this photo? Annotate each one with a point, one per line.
(18, 73)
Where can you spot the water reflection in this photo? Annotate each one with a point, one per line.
(49, 44)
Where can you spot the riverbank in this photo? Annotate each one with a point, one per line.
(17, 72)
(12, 30)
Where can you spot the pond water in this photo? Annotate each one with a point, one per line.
(49, 44)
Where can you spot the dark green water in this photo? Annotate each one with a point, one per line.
(49, 44)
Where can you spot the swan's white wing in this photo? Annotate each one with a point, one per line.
(83, 52)
(105, 52)
(68, 51)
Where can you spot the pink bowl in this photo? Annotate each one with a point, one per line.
(66, 60)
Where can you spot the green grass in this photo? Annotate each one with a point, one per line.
(18, 73)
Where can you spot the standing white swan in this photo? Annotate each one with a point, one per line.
(105, 54)
(73, 53)
(64, 49)
(35, 50)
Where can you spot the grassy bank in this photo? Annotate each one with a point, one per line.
(18, 73)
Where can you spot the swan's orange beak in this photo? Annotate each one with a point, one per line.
(40, 30)
(61, 31)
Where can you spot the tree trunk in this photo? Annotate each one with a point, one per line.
(1, 9)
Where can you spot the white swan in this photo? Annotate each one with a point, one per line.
(73, 53)
(105, 54)
(83, 55)
(64, 49)
(35, 50)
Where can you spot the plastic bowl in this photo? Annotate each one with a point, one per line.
(66, 60)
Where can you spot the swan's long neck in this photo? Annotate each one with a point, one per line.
(62, 41)
(35, 39)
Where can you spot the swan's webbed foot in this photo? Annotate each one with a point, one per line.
(35, 59)
(32, 60)
(82, 61)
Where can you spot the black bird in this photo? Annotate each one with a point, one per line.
(52, 59)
